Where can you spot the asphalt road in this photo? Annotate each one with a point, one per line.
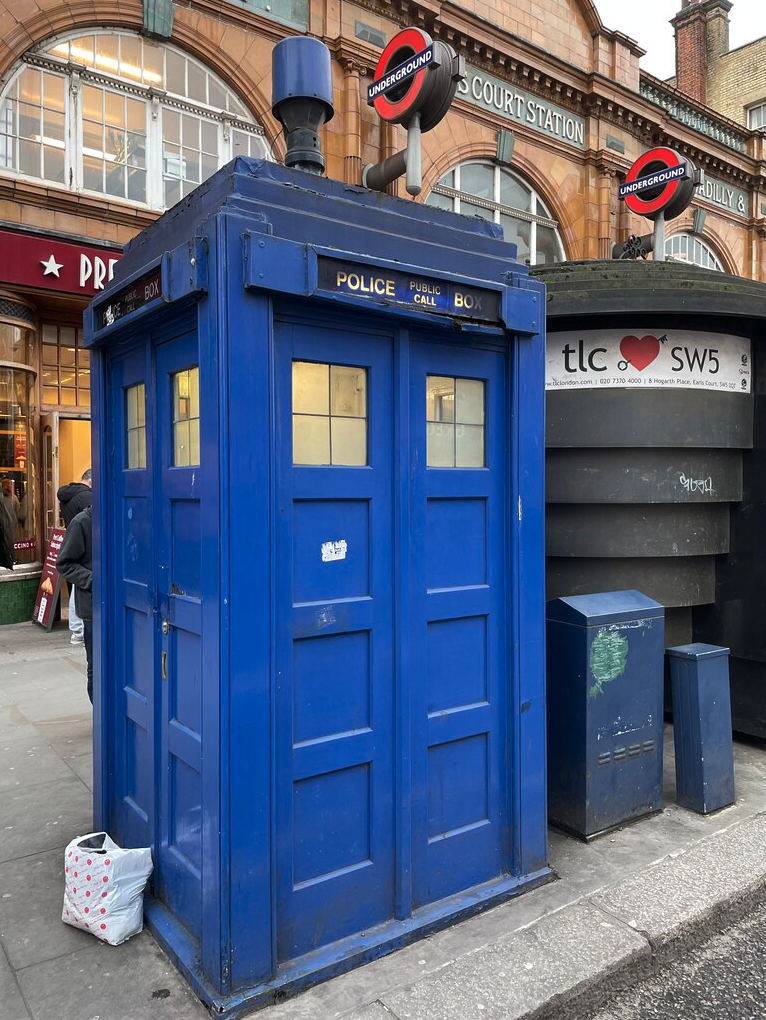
(725, 980)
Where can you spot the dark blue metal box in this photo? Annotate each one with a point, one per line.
(699, 676)
(318, 473)
(604, 692)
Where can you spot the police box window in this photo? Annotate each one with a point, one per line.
(329, 414)
(135, 417)
(454, 422)
(481, 188)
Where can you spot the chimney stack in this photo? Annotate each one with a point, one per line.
(702, 35)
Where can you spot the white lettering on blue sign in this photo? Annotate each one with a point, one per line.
(672, 173)
(522, 108)
(399, 74)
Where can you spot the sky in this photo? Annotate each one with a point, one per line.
(648, 22)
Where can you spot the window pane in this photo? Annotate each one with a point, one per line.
(311, 439)
(181, 444)
(197, 83)
(469, 209)
(67, 353)
(175, 73)
(68, 395)
(194, 457)
(311, 389)
(440, 445)
(477, 179)
(441, 201)
(547, 249)
(440, 398)
(469, 446)
(107, 53)
(349, 441)
(518, 232)
(141, 404)
(130, 57)
(469, 401)
(133, 440)
(348, 391)
(514, 193)
(448, 180)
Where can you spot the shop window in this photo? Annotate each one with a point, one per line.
(481, 188)
(153, 122)
(756, 117)
(17, 455)
(329, 414)
(688, 248)
(135, 403)
(454, 422)
(186, 418)
(66, 367)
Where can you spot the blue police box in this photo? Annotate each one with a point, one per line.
(318, 470)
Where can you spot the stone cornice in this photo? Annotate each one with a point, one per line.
(27, 193)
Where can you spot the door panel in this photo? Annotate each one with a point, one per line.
(335, 736)
(130, 686)
(180, 478)
(458, 594)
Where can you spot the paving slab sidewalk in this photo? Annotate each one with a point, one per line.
(621, 907)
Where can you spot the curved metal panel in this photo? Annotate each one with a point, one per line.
(679, 581)
(685, 418)
(643, 476)
(613, 287)
(620, 530)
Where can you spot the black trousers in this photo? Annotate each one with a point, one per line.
(87, 633)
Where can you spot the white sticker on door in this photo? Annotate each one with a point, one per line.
(334, 550)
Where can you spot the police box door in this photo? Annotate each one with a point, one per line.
(155, 603)
(391, 667)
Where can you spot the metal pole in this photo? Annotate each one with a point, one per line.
(414, 157)
(659, 237)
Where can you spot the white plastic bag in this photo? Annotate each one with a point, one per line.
(104, 887)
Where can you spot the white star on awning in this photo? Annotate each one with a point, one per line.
(51, 266)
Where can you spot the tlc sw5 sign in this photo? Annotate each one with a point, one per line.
(627, 359)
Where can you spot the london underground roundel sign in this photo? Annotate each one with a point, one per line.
(415, 74)
(660, 181)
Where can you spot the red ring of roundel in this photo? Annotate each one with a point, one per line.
(634, 202)
(416, 39)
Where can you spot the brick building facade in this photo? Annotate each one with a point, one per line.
(731, 82)
(111, 112)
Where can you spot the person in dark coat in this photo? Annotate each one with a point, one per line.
(6, 544)
(72, 499)
(75, 497)
(75, 564)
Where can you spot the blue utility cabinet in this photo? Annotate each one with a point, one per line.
(604, 690)
(318, 464)
(699, 676)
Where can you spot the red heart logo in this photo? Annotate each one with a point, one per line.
(639, 352)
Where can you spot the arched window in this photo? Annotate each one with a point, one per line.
(114, 114)
(688, 248)
(481, 188)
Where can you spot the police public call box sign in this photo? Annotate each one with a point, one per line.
(393, 287)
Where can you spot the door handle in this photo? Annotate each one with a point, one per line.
(164, 665)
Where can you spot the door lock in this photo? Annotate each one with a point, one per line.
(165, 627)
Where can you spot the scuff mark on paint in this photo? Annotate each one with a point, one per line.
(608, 658)
(326, 617)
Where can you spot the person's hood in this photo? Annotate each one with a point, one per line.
(67, 492)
